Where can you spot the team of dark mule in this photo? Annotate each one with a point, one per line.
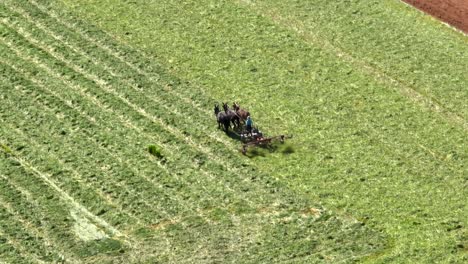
(242, 126)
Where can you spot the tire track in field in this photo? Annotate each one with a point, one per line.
(44, 234)
(64, 195)
(116, 55)
(310, 37)
(101, 83)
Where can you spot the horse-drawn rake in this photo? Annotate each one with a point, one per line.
(256, 139)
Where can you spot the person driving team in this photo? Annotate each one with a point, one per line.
(248, 124)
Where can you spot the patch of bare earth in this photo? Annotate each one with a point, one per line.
(453, 12)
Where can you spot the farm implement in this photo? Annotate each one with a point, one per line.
(258, 140)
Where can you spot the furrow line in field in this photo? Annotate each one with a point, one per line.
(64, 195)
(395, 148)
(43, 86)
(21, 249)
(86, 36)
(115, 54)
(30, 228)
(68, 103)
(103, 84)
(44, 234)
(404, 89)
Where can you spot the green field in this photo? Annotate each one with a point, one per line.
(373, 92)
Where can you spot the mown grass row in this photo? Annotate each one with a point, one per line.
(98, 42)
(62, 178)
(362, 146)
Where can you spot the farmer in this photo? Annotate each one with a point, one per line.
(248, 124)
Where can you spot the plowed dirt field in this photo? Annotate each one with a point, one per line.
(454, 12)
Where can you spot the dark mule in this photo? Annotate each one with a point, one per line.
(222, 118)
(243, 114)
(235, 119)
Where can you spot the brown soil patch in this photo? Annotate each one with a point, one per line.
(454, 12)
